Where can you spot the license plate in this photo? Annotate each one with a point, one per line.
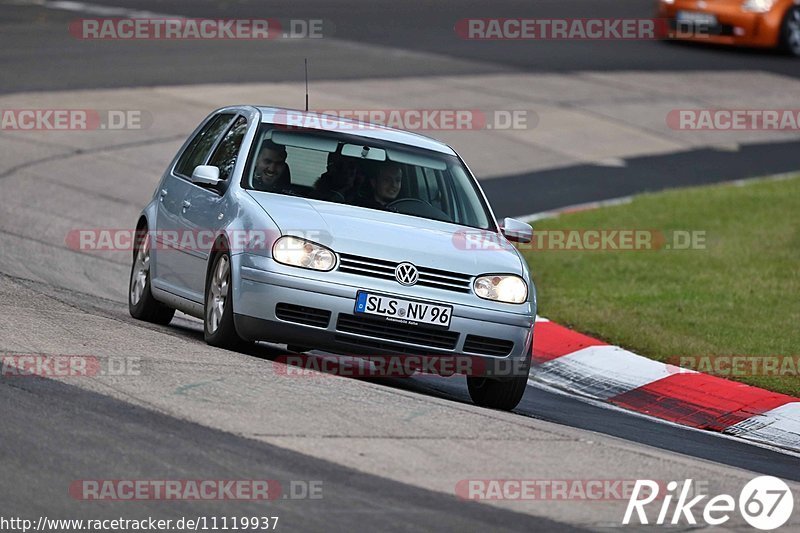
(695, 18)
(403, 311)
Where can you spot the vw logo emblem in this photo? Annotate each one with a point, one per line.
(701, 4)
(406, 274)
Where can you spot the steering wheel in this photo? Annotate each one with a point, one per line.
(393, 204)
(335, 196)
(417, 207)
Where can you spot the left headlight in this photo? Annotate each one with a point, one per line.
(501, 288)
(757, 6)
(294, 251)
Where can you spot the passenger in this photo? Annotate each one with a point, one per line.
(385, 187)
(341, 181)
(271, 172)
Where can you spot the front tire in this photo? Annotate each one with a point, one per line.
(218, 326)
(790, 32)
(141, 303)
(503, 394)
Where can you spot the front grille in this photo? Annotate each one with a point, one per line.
(303, 315)
(487, 345)
(375, 344)
(388, 331)
(382, 269)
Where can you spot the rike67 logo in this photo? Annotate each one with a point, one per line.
(765, 503)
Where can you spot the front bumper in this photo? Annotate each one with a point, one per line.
(261, 286)
(734, 26)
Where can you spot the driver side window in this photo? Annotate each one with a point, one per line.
(225, 155)
(197, 150)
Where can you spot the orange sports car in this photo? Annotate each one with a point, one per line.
(761, 23)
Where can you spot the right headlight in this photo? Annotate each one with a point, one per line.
(294, 251)
(501, 288)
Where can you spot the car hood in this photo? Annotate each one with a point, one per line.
(391, 236)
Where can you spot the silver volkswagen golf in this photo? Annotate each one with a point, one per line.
(331, 234)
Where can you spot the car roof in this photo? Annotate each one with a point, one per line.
(291, 117)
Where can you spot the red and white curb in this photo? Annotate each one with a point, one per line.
(570, 361)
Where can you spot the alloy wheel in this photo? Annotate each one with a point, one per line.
(218, 293)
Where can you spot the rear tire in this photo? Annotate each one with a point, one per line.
(790, 32)
(503, 394)
(141, 303)
(219, 329)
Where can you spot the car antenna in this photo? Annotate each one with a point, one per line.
(306, 85)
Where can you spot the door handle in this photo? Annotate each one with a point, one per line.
(163, 194)
(187, 204)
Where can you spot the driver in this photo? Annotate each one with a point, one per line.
(385, 187)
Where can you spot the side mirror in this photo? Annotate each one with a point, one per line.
(516, 230)
(206, 175)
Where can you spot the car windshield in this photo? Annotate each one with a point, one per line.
(353, 170)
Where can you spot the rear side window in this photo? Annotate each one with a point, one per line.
(198, 149)
(226, 153)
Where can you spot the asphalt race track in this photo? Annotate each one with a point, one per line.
(422, 26)
(388, 453)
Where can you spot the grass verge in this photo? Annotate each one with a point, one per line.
(737, 295)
